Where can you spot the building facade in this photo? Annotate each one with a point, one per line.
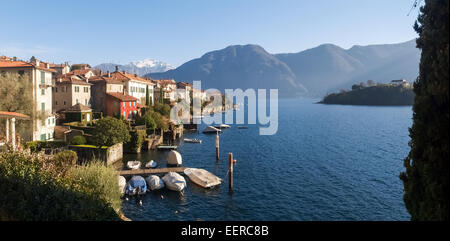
(101, 85)
(70, 90)
(165, 90)
(136, 86)
(118, 104)
(42, 77)
(184, 91)
(61, 68)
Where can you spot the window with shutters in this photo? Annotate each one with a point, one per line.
(42, 77)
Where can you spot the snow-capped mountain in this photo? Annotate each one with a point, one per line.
(140, 68)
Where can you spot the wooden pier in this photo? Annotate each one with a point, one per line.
(143, 172)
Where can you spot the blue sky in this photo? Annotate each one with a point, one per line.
(175, 31)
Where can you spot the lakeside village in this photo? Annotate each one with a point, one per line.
(75, 114)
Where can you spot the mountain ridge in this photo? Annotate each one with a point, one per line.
(311, 72)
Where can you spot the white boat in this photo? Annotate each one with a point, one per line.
(192, 140)
(151, 164)
(174, 181)
(222, 126)
(154, 182)
(174, 158)
(211, 129)
(202, 177)
(133, 164)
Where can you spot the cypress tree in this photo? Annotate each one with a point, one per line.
(147, 96)
(426, 179)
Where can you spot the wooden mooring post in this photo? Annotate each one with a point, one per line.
(230, 163)
(217, 146)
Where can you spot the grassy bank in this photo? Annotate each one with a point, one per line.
(39, 188)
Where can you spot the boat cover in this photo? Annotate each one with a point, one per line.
(135, 182)
(174, 181)
(154, 182)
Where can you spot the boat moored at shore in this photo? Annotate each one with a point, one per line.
(151, 164)
(188, 140)
(202, 177)
(174, 181)
(136, 186)
(133, 164)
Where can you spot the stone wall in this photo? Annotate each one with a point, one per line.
(108, 155)
(115, 153)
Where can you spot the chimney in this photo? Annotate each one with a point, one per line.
(48, 66)
(108, 74)
(66, 63)
(123, 71)
(135, 75)
(117, 68)
(37, 62)
(100, 72)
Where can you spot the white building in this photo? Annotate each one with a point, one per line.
(41, 75)
(136, 86)
(400, 82)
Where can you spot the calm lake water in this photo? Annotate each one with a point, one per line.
(326, 162)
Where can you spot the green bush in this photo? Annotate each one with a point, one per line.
(136, 141)
(110, 131)
(64, 160)
(78, 140)
(163, 109)
(98, 181)
(30, 190)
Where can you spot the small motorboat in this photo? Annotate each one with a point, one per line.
(151, 164)
(136, 185)
(174, 181)
(154, 182)
(222, 126)
(133, 164)
(242, 127)
(188, 140)
(202, 177)
(211, 129)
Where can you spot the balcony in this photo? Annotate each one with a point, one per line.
(46, 85)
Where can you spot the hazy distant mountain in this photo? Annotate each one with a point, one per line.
(313, 72)
(322, 68)
(238, 66)
(329, 67)
(140, 68)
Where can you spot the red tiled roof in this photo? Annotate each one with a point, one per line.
(79, 71)
(22, 64)
(128, 76)
(57, 65)
(18, 64)
(122, 97)
(109, 80)
(13, 115)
